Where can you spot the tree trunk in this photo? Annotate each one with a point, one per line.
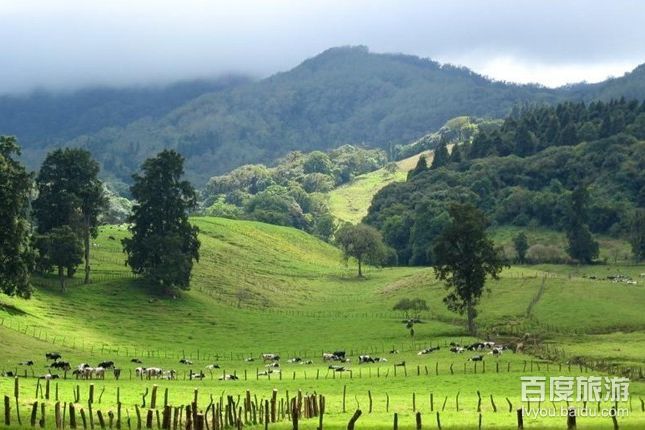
(86, 238)
(61, 277)
(360, 271)
(471, 319)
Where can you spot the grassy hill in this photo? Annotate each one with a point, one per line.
(263, 288)
(350, 202)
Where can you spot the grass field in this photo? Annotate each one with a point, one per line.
(261, 288)
(350, 202)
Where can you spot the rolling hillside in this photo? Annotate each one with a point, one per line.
(261, 288)
(350, 202)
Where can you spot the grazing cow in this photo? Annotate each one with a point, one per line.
(401, 364)
(476, 358)
(307, 362)
(106, 364)
(26, 363)
(477, 346)
(429, 350)
(328, 356)
(154, 372)
(456, 349)
(61, 365)
(270, 357)
(274, 365)
(338, 368)
(199, 375)
(228, 378)
(265, 372)
(185, 361)
(394, 351)
(340, 355)
(170, 374)
(212, 366)
(294, 360)
(488, 345)
(497, 351)
(9, 374)
(53, 356)
(365, 359)
(49, 376)
(136, 360)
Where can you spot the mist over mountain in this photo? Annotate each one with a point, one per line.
(342, 96)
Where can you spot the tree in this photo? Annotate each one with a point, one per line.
(582, 247)
(16, 255)
(63, 249)
(70, 194)
(422, 166)
(521, 244)
(464, 257)
(441, 156)
(163, 243)
(637, 234)
(363, 242)
(455, 155)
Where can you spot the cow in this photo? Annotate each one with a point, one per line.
(270, 357)
(340, 355)
(394, 351)
(294, 360)
(249, 359)
(476, 358)
(170, 374)
(136, 360)
(497, 351)
(9, 374)
(53, 356)
(338, 368)
(334, 356)
(456, 349)
(185, 361)
(61, 365)
(212, 366)
(199, 375)
(428, 350)
(228, 378)
(275, 364)
(477, 346)
(106, 364)
(154, 372)
(307, 362)
(49, 376)
(26, 363)
(265, 372)
(362, 359)
(140, 371)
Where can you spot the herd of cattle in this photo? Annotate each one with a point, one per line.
(271, 363)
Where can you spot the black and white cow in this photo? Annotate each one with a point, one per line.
(270, 357)
(53, 356)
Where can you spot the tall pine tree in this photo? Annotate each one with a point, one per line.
(163, 243)
(441, 156)
(16, 256)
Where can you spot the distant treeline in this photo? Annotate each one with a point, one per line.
(290, 193)
(523, 172)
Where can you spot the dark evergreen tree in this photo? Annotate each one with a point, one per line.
(16, 256)
(455, 155)
(422, 166)
(637, 234)
(163, 243)
(441, 156)
(464, 257)
(525, 142)
(582, 247)
(521, 245)
(70, 194)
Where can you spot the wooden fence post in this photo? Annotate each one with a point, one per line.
(419, 426)
(7, 411)
(571, 419)
(395, 426)
(353, 419)
(520, 419)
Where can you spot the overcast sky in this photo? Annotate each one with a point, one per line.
(63, 44)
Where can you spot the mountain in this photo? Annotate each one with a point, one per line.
(342, 96)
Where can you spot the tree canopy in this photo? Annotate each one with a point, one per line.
(163, 243)
(362, 242)
(16, 255)
(464, 256)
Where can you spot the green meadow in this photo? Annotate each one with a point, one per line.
(260, 288)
